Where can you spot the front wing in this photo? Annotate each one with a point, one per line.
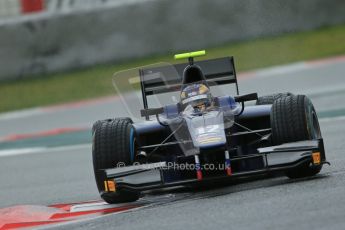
(276, 158)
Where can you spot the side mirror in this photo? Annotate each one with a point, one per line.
(246, 97)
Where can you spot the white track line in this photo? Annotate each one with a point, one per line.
(328, 119)
(24, 151)
(100, 205)
(282, 69)
(20, 114)
(36, 150)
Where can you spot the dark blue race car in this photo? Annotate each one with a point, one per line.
(194, 132)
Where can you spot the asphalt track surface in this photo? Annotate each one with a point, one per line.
(64, 175)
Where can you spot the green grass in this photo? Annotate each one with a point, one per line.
(96, 81)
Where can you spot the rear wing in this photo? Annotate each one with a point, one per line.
(160, 79)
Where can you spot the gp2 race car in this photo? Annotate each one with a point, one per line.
(197, 134)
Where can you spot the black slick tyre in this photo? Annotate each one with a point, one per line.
(269, 99)
(293, 118)
(111, 145)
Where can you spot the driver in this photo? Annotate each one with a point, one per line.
(196, 96)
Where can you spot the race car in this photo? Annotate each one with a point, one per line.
(190, 131)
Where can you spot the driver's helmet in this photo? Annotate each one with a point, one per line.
(197, 95)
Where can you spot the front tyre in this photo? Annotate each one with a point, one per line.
(111, 145)
(293, 118)
(270, 99)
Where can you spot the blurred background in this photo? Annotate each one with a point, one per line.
(54, 51)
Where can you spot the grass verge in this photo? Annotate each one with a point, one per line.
(96, 81)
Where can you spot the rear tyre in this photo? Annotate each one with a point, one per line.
(269, 99)
(111, 145)
(293, 118)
